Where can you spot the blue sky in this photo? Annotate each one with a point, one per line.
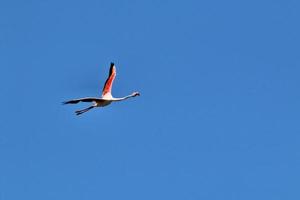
(218, 116)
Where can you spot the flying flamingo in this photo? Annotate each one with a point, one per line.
(106, 97)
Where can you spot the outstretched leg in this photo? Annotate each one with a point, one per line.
(79, 112)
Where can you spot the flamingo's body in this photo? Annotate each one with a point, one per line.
(106, 97)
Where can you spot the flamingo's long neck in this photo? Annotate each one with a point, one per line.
(124, 98)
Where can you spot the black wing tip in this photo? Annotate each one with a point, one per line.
(67, 102)
(112, 65)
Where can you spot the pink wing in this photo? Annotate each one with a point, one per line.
(109, 81)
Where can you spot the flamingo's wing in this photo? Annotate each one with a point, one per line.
(109, 81)
(86, 99)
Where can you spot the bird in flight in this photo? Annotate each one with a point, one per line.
(106, 97)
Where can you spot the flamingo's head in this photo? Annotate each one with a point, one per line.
(135, 94)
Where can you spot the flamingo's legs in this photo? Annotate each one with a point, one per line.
(79, 112)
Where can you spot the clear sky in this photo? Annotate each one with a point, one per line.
(218, 116)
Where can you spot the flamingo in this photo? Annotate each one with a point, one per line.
(106, 97)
